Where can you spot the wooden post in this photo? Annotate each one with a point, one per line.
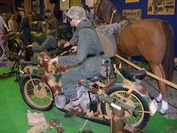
(117, 121)
(27, 6)
(49, 5)
(148, 73)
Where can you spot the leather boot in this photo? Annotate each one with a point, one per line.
(76, 110)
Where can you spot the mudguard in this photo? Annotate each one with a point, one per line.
(32, 70)
(37, 70)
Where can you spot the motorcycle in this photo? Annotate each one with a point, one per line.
(41, 89)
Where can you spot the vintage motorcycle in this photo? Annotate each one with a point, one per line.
(41, 89)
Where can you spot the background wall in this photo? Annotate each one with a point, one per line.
(120, 4)
(172, 19)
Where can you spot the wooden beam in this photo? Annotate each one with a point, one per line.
(27, 6)
(148, 73)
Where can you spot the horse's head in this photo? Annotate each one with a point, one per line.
(98, 10)
(106, 11)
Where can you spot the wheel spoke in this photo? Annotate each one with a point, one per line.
(38, 98)
(134, 100)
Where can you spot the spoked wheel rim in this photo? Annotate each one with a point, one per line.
(132, 100)
(41, 98)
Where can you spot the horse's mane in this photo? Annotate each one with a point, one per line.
(107, 8)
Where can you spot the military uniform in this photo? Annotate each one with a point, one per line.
(25, 28)
(54, 22)
(94, 20)
(88, 43)
(89, 54)
(49, 46)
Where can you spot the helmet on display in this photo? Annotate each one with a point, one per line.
(76, 12)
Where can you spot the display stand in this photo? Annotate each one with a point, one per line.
(117, 119)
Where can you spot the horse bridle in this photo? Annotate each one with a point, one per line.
(98, 3)
(103, 20)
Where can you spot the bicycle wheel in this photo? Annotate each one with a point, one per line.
(136, 100)
(39, 99)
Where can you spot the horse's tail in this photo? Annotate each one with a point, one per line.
(168, 60)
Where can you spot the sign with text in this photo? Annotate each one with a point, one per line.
(131, 1)
(75, 2)
(135, 14)
(161, 7)
(64, 4)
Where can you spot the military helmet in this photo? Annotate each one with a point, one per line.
(47, 10)
(76, 12)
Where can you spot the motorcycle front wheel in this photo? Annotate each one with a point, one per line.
(135, 100)
(38, 99)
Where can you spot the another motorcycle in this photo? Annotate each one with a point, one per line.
(41, 89)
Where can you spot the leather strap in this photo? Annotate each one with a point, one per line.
(95, 54)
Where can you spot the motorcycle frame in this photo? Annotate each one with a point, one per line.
(55, 85)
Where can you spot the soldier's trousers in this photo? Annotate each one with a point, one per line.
(76, 74)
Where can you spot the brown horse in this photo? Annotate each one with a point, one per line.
(153, 39)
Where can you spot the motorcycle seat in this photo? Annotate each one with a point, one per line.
(96, 78)
(132, 74)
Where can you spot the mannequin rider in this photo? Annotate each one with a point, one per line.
(49, 46)
(89, 53)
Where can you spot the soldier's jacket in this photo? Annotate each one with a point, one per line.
(54, 22)
(49, 45)
(24, 24)
(88, 43)
(94, 20)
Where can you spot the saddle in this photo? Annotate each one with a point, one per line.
(123, 24)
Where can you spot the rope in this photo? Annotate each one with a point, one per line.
(89, 115)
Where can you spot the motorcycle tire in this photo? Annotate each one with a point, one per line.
(36, 99)
(135, 99)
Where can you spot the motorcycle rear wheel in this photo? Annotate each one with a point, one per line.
(136, 100)
(36, 99)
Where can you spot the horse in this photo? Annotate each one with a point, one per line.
(152, 38)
